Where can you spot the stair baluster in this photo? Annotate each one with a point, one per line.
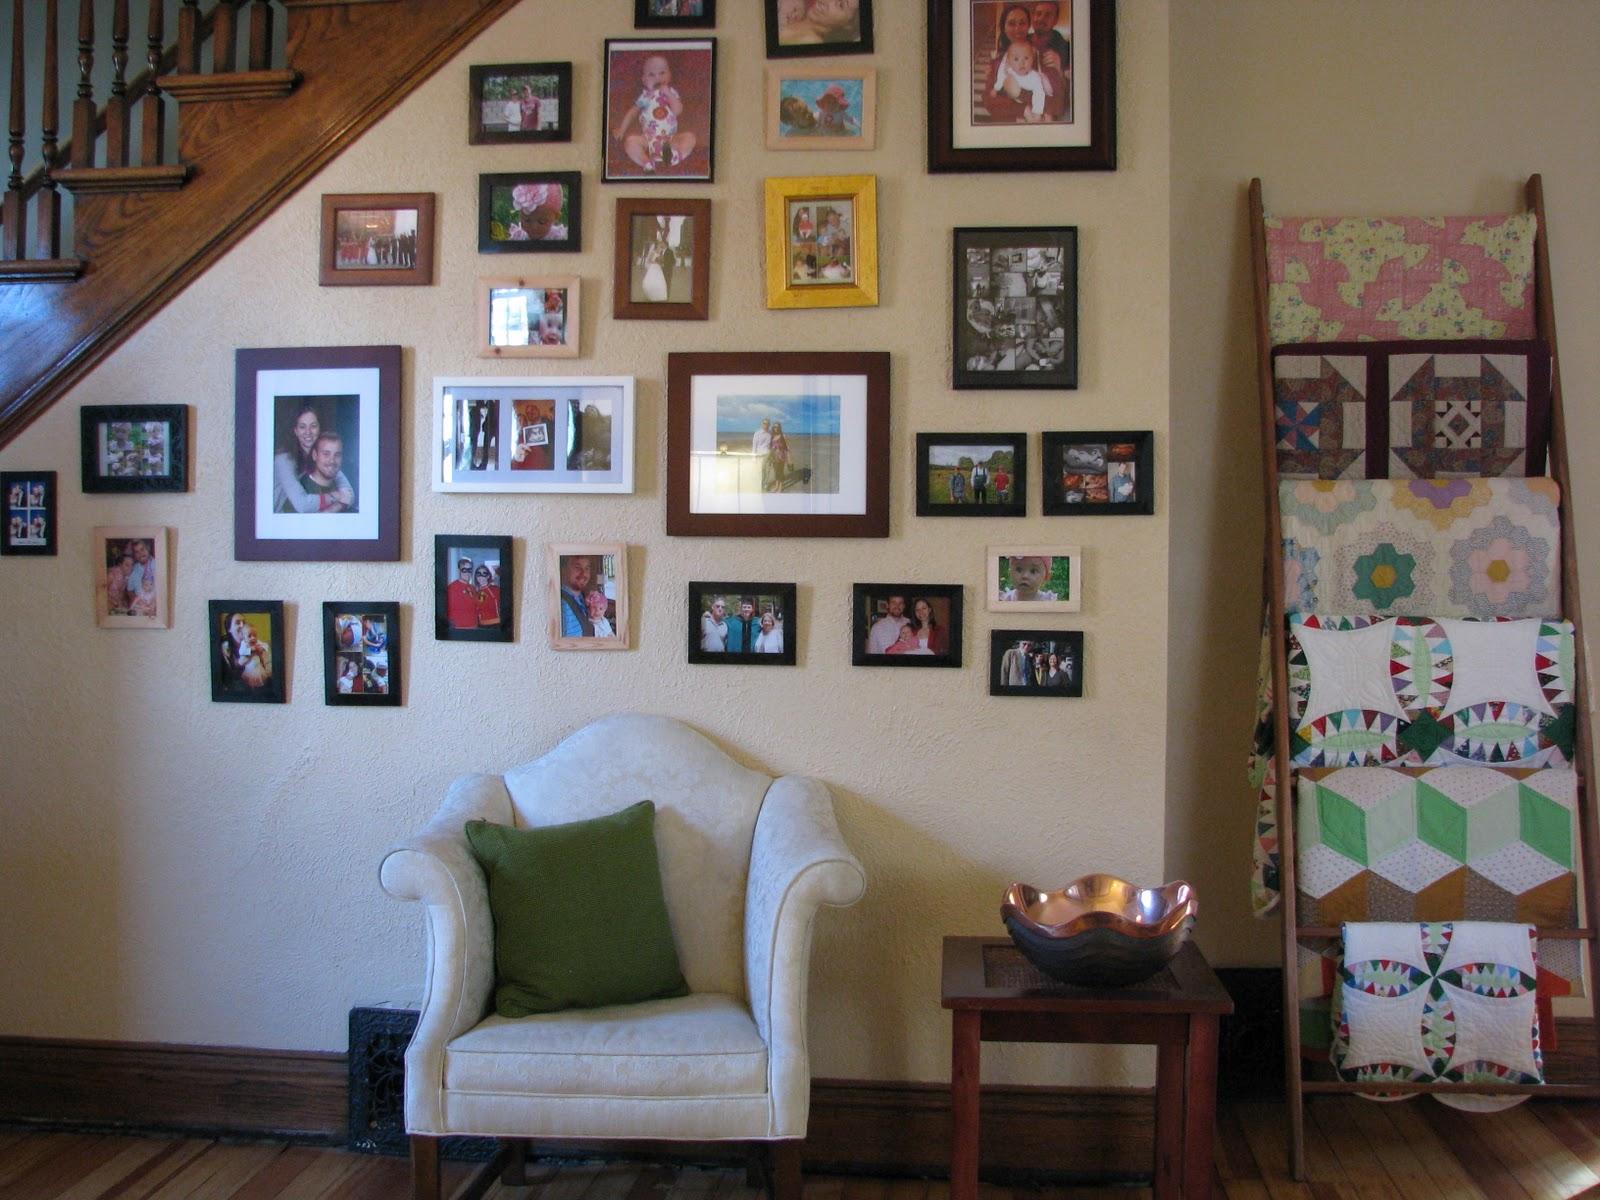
(14, 242)
(153, 128)
(83, 111)
(48, 244)
(189, 38)
(224, 37)
(117, 106)
(260, 35)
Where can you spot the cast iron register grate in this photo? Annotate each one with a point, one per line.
(379, 1035)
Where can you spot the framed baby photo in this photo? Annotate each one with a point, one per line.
(660, 110)
(588, 595)
(742, 624)
(800, 28)
(377, 239)
(821, 108)
(520, 102)
(317, 454)
(972, 474)
(472, 582)
(132, 577)
(822, 241)
(1033, 578)
(361, 653)
(905, 625)
(523, 212)
(1036, 662)
(662, 266)
(1015, 308)
(30, 516)
(533, 316)
(674, 14)
(247, 648)
(1098, 473)
(1022, 87)
(134, 447)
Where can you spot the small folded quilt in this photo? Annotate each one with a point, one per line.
(1411, 410)
(1373, 278)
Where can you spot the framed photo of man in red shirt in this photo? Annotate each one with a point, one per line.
(472, 588)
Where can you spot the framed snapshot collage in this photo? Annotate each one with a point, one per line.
(822, 241)
(1098, 473)
(1015, 308)
(248, 647)
(134, 447)
(28, 525)
(361, 660)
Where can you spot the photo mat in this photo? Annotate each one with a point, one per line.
(906, 625)
(534, 434)
(472, 588)
(1016, 308)
(247, 648)
(1036, 662)
(750, 624)
(972, 474)
(28, 525)
(361, 653)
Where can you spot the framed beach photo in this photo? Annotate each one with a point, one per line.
(822, 241)
(132, 577)
(972, 474)
(1015, 308)
(588, 595)
(660, 106)
(798, 28)
(748, 624)
(523, 212)
(1022, 86)
(317, 454)
(905, 625)
(247, 648)
(1034, 578)
(519, 102)
(778, 444)
(1099, 473)
(28, 525)
(821, 108)
(533, 316)
(376, 239)
(472, 584)
(1036, 662)
(361, 653)
(535, 433)
(674, 14)
(134, 447)
(662, 266)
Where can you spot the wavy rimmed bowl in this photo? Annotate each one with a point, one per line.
(1100, 931)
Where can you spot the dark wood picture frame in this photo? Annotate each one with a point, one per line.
(633, 173)
(1015, 506)
(446, 547)
(27, 512)
(231, 665)
(788, 603)
(698, 306)
(418, 274)
(643, 18)
(1003, 640)
(1099, 155)
(572, 181)
(865, 612)
(94, 417)
(970, 308)
(861, 44)
(1060, 501)
(479, 76)
(871, 366)
(363, 654)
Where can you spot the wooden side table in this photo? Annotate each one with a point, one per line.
(997, 995)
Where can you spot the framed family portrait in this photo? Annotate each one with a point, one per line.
(520, 212)
(821, 108)
(376, 239)
(778, 444)
(1036, 662)
(1098, 473)
(662, 268)
(536, 433)
(472, 581)
(749, 624)
(822, 241)
(798, 28)
(1016, 86)
(660, 110)
(30, 515)
(134, 447)
(674, 14)
(534, 316)
(520, 102)
(1015, 308)
(247, 649)
(972, 474)
(588, 595)
(1034, 578)
(317, 454)
(905, 625)
(361, 653)
(132, 584)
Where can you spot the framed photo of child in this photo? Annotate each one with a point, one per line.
(660, 104)
(361, 653)
(822, 241)
(821, 108)
(521, 212)
(972, 474)
(797, 28)
(588, 596)
(513, 103)
(753, 624)
(132, 583)
(30, 512)
(1036, 662)
(247, 651)
(472, 584)
(905, 625)
(1099, 473)
(1034, 578)
(534, 316)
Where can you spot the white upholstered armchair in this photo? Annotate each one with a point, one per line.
(746, 860)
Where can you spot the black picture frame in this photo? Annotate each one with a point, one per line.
(374, 661)
(109, 446)
(22, 513)
(870, 602)
(483, 133)
(1062, 499)
(780, 598)
(1014, 306)
(572, 181)
(935, 497)
(490, 553)
(619, 97)
(861, 43)
(1027, 641)
(643, 18)
(243, 671)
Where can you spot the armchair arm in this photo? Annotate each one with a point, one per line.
(798, 862)
(436, 866)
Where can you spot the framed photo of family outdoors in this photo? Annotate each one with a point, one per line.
(134, 447)
(972, 474)
(247, 651)
(1099, 473)
(821, 108)
(748, 624)
(514, 103)
(778, 444)
(1034, 578)
(1015, 310)
(798, 28)
(132, 577)
(1022, 86)
(520, 212)
(905, 625)
(1036, 662)
(822, 241)
(662, 266)
(317, 454)
(30, 517)
(376, 239)
(361, 653)
(660, 110)
(534, 316)
(472, 580)
(674, 14)
(588, 598)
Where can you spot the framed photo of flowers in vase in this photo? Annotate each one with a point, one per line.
(525, 211)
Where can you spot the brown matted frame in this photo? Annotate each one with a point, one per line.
(418, 274)
(698, 306)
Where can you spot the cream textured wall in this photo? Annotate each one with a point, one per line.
(177, 870)
(1367, 107)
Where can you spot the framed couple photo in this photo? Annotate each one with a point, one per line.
(472, 583)
(905, 625)
(753, 624)
(517, 103)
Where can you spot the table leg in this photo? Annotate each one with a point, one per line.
(1200, 1105)
(1168, 1180)
(965, 1049)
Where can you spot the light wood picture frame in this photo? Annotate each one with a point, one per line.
(529, 316)
(821, 108)
(1033, 578)
(822, 241)
(132, 567)
(587, 595)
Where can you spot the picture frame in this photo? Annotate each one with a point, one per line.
(361, 653)
(647, 142)
(1019, 663)
(536, 433)
(826, 28)
(1098, 473)
(530, 212)
(132, 567)
(529, 316)
(1001, 460)
(588, 595)
(884, 624)
(978, 122)
(134, 448)
(743, 624)
(376, 239)
(505, 99)
(1014, 308)
(473, 582)
(651, 281)
(830, 479)
(821, 108)
(822, 241)
(1033, 578)
(300, 502)
(674, 14)
(248, 651)
(29, 521)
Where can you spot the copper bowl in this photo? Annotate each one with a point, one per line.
(1100, 931)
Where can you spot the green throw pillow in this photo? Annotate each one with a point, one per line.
(579, 916)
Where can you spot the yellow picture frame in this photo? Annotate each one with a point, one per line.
(804, 233)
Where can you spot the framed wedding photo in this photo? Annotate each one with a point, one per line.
(361, 653)
(803, 28)
(662, 265)
(520, 212)
(1022, 87)
(520, 102)
(132, 577)
(1036, 662)
(674, 14)
(29, 521)
(1015, 309)
(972, 474)
(822, 241)
(534, 316)
(472, 580)
(588, 596)
(905, 625)
(247, 650)
(1099, 473)
(660, 105)
(1033, 578)
(821, 108)
(748, 624)
(134, 447)
(377, 239)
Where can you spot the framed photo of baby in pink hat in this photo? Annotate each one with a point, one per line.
(821, 108)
